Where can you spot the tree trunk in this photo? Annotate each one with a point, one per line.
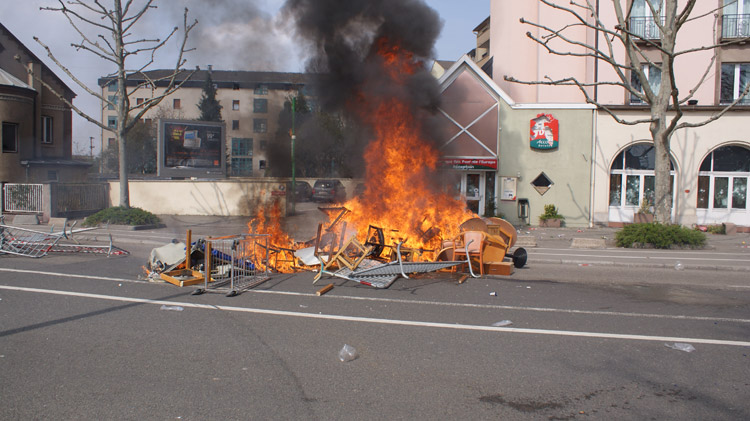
(662, 200)
(123, 162)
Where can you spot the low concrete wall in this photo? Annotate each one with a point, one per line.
(198, 197)
(233, 197)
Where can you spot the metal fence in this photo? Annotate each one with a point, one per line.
(23, 198)
(235, 263)
(55, 199)
(79, 197)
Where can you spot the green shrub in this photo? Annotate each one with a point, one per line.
(659, 236)
(550, 212)
(717, 229)
(122, 216)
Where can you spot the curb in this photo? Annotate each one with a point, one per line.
(641, 265)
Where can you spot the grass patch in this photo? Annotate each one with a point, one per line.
(122, 216)
(659, 236)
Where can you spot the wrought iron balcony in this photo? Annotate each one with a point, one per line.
(645, 27)
(735, 26)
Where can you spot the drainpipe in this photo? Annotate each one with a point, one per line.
(596, 61)
(592, 202)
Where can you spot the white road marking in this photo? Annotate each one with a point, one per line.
(68, 275)
(434, 303)
(397, 322)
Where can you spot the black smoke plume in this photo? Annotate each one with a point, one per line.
(343, 38)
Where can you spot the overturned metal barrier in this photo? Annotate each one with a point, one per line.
(26, 242)
(235, 263)
(31, 243)
(377, 274)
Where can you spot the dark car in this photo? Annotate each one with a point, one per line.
(302, 191)
(359, 189)
(329, 191)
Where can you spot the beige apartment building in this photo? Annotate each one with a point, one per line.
(711, 164)
(37, 129)
(251, 102)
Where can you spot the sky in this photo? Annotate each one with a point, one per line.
(255, 26)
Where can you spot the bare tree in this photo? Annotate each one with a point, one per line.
(114, 42)
(663, 102)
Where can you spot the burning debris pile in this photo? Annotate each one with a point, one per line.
(371, 57)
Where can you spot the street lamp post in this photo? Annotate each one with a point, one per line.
(294, 181)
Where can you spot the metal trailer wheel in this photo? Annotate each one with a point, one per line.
(519, 257)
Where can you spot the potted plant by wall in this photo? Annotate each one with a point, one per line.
(644, 215)
(550, 218)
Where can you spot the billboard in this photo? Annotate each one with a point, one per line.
(190, 148)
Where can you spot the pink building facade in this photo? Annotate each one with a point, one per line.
(711, 164)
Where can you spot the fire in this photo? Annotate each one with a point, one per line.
(401, 196)
(280, 243)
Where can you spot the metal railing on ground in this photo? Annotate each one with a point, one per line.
(234, 263)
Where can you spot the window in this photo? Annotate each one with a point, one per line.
(242, 156)
(263, 145)
(653, 74)
(723, 179)
(138, 101)
(260, 105)
(235, 86)
(734, 80)
(112, 87)
(46, 129)
(260, 125)
(542, 183)
(52, 176)
(112, 122)
(111, 142)
(111, 102)
(176, 103)
(262, 164)
(642, 21)
(235, 124)
(261, 90)
(236, 105)
(631, 178)
(735, 19)
(10, 137)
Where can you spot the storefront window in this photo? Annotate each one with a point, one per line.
(739, 193)
(632, 172)
(615, 189)
(721, 192)
(724, 176)
(632, 190)
(703, 186)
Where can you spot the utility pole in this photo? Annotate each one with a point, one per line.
(294, 181)
(91, 147)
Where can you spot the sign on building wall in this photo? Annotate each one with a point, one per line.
(191, 149)
(508, 191)
(544, 132)
(474, 164)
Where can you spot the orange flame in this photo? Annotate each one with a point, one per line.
(400, 194)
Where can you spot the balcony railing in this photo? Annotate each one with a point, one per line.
(735, 26)
(645, 27)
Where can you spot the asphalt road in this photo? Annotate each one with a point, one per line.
(81, 337)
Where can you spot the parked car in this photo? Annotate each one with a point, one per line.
(302, 191)
(359, 189)
(329, 190)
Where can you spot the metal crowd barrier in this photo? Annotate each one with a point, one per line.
(234, 263)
